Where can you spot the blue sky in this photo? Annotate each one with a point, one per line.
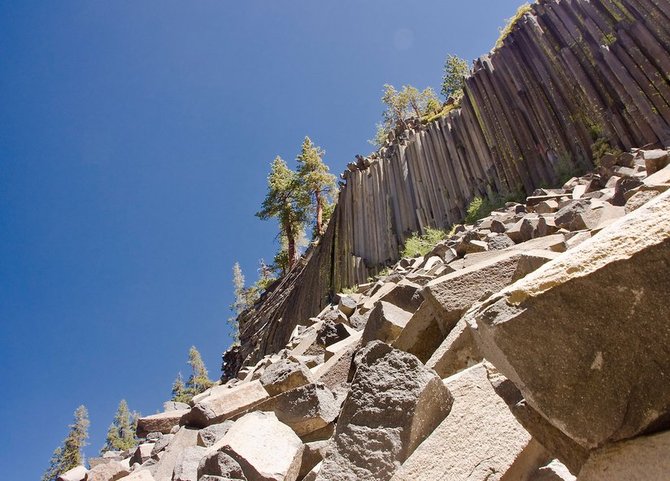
(135, 139)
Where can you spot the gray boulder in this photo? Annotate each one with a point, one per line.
(585, 336)
(385, 323)
(220, 464)
(285, 375)
(393, 405)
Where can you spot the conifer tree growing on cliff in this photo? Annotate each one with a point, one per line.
(179, 393)
(199, 380)
(241, 300)
(70, 454)
(288, 202)
(316, 178)
(455, 71)
(121, 433)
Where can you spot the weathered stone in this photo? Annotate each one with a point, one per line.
(162, 422)
(285, 375)
(186, 467)
(142, 453)
(174, 406)
(266, 449)
(304, 409)
(655, 160)
(532, 260)
(641, 459)
(347, 342)
(638, 199)
(555, 441)
(312, 455)
(383, 289)
(141, 475)
(479, 441)
(547, 206)
(347, 305)
(77, 473)
(227, 403)
(211, 434)
(404, 295)
(183, 439)
(451, 295)
(554, 471)
(577, 215)
(330, 333)
(457, 352)
(111, 471)
(587, 356)
(500, 242)
(334, 372)
(385, 323)
(220, 464)
(162, 443)
(422, 334)
(394, 403)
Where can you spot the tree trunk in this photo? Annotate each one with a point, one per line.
(319, 213)
(290, 240)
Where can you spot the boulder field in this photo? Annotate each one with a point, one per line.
(530, 346)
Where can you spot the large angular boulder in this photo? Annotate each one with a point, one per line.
(220, 464)
(186, 467)
(211, 434)
(645, 458)
(110, 471)
(585, 337)
(453, 294)
(393, 405)
(265, 448)
(304, 409)
(385, 323)
(160, 423)
(142, 453)
(227, 403)
(422, 334)
(457, 352)
(183, 439)
(285, 375)
(480, 440)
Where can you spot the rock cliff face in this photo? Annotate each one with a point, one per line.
(572, 78)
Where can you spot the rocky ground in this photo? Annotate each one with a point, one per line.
(531, 346)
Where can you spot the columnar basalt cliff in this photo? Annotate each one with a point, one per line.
(572, 74)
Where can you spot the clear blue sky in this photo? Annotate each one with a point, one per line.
(135, 138)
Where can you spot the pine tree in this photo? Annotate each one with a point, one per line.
(287, 201)
(121, 433)
(199, 380)
(241, 300)
(455, 71)
(70, 454)
(179, 393)
(317, 180)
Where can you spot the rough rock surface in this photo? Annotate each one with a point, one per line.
(480, 440)
(646, 458)
(161, 423)
(394, 403)
(217, 408)
(266, 449)
(285, 375)
(385, 323)
(558, 333)
(304, 409)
